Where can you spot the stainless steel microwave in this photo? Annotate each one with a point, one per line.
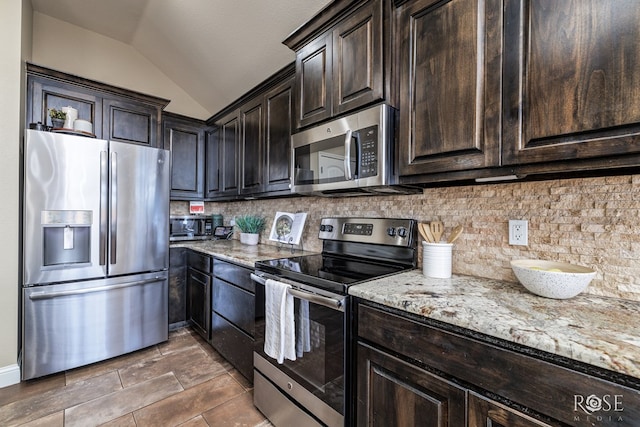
(353, 155)
(190, 227)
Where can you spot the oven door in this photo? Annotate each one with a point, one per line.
(316, 379)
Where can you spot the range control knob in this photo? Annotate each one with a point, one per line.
(402, 232)
(328, 228)
(391, 231)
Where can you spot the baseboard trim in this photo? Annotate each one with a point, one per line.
(9, 375)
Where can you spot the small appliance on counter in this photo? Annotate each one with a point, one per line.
(190, 227)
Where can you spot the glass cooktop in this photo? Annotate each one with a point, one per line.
(335, 273)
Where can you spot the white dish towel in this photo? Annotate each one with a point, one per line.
(279, 339)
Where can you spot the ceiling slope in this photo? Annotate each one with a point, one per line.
(215, 50)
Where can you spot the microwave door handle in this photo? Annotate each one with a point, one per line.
(347, 155)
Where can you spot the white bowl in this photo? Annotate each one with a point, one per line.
(552, 279)
(83, 126)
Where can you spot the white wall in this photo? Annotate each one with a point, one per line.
(68, 48)
(11, 107)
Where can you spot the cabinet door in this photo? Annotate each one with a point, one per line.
(198, 307)
(449, 85)
(314, 81)
(229, 143)
(484, 412)
(358, 59)
(278, 122)
(212, 163)
(131, 122)
(185, 139)
(251, 147)
(391, 392)
(45, 94)
(571, 81)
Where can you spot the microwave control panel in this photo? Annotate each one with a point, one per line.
(368, 151)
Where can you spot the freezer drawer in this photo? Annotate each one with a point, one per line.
(75, 324)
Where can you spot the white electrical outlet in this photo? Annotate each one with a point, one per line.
(518, 232)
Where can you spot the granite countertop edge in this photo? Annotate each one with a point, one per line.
(598, 331)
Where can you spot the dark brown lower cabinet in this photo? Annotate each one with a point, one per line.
(233, 312)
(485, 412)
(392, 392)
(199, 292)
(413, 371)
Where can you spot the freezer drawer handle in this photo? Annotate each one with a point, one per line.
(48, 295)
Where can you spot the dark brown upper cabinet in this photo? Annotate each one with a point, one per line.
(116, 114)
(185, 138)
(249, 148)
(252, 147)
(339, 61)
(571, 81)
(449, 75)
(212, 163)
(228, 155)
(278, 104)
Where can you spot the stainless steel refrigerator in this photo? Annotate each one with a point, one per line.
(95, 250)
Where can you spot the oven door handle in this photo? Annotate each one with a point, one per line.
(335, 304)
(317, 299)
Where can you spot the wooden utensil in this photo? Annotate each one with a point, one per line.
(437, 228)
(425, 232)
(422, 233)
(455, 233)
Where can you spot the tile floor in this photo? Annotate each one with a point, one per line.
(182, 382)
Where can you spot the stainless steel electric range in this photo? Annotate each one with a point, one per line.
(315, 388)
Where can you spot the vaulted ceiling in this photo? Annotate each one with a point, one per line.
(215, 50)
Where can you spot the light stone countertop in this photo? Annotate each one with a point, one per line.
(234, 251)
(603, 332)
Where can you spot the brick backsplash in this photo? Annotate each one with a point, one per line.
(593, 222)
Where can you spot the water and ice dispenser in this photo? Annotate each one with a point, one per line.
(66, 238)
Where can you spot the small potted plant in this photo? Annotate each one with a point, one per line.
(57, 117)
(250, 228)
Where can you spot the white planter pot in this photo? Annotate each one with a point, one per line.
(249, 238)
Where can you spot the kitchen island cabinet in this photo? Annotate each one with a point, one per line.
(116, 114)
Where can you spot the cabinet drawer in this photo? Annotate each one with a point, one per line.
(233, 345)
(199, 261)
(235, 304)
(232, 273)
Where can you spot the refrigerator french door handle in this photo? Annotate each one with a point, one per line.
(48, 295)
(114, 209)
(104, 203)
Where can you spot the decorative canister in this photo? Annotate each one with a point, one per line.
(72, 115)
